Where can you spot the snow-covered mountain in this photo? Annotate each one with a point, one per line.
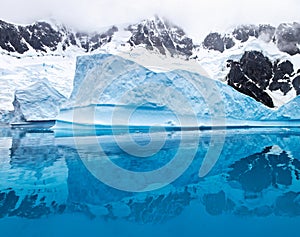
(42, 37)
(260, 61)
(286, 37)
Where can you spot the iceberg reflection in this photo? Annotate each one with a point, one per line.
(257, 174)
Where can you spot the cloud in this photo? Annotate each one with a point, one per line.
(195, 16)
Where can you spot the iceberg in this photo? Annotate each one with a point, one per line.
(5, 117)
(109, 90)
(289, 111)
(38, 102)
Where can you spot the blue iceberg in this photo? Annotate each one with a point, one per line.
(110, 91)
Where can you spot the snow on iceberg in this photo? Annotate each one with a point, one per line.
(111, 90)
(37, 102)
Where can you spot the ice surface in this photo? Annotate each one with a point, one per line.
(289, 111)
(17, 73)
(37, 102)
(134, 95)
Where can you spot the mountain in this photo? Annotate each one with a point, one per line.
(163, 35)
(259, 61)
(286, 37)
(255, 74)
(42, 37)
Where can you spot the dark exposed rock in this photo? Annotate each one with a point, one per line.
(282, 86)
(214, 41)
(228, 42)
(161, 35)
(243, 32)
(91, 42)
(287, 38)
(259, 72)
(257, 67)
(157, 34)
(11, 39)
(254, 73)
(266, 32)
(296, 84)
(42, 37)
(281, 79)
(283, 68)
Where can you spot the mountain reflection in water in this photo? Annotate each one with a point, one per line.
(257, 175)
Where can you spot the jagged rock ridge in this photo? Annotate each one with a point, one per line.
(43, 37)
(156, 33)
(286, 37)
(161, 34)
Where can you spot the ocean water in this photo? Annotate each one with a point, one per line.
(48, 185)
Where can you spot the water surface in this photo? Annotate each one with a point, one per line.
(253, 189)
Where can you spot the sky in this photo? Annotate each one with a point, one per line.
(196, 17)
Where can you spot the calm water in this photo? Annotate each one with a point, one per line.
(252, 190)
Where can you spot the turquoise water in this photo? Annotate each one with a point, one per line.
(253, 189)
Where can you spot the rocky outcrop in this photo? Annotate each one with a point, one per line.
(244, 32)
(266, 32)
(282, 77)
(288, 38)
(95, 41)
(44, 37)
(155, 33)
(162, 35)
(285, 36)
(254, 74)
(11, 39)
(296, 84)
(217, 42)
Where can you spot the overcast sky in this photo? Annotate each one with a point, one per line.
(197, 17)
